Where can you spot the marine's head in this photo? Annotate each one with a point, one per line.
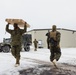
(54, 28)
(35, 39)
(15, 25)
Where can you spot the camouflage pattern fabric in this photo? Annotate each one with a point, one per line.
(15, 50)
(16, 36)
(55, 53)
(55, 49)
(35, 44)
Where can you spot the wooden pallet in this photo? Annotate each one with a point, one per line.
(20, 22)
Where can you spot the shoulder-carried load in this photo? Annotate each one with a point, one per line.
(54, 38)
(20, 22)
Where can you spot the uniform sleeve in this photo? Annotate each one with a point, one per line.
(7, 29)
(24, 30)
(58, 37)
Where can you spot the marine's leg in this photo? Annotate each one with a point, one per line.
(18, 49)
(13, 51)
(35, 47)
(51, 54)
(54, 60)
(58, 54)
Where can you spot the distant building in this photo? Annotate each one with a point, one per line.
(68, 37)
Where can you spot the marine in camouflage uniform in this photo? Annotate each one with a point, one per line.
(16, 39)
(55, 44)
(35, 44)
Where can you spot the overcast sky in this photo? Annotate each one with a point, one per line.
(39, 13)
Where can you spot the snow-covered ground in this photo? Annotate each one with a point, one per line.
(7, 61)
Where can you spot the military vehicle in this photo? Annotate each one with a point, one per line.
(5, 46)
(26, 41)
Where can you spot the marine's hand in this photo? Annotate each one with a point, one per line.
(8, 23)
(25, 24)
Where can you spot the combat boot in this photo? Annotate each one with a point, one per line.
(16, 65)
(54, 63)
(17, 62)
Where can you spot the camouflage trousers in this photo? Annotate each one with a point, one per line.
(55, 53)
(15, 50)
(35, 46)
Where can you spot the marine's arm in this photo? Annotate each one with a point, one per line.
(7, 28)
(25, 28)
(58, 37)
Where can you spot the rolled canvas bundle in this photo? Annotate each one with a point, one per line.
(20, 22)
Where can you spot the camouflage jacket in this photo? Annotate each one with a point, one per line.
(16, 35)
(35, 42)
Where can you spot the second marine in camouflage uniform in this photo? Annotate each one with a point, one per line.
(16, 36)
(55, 44)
